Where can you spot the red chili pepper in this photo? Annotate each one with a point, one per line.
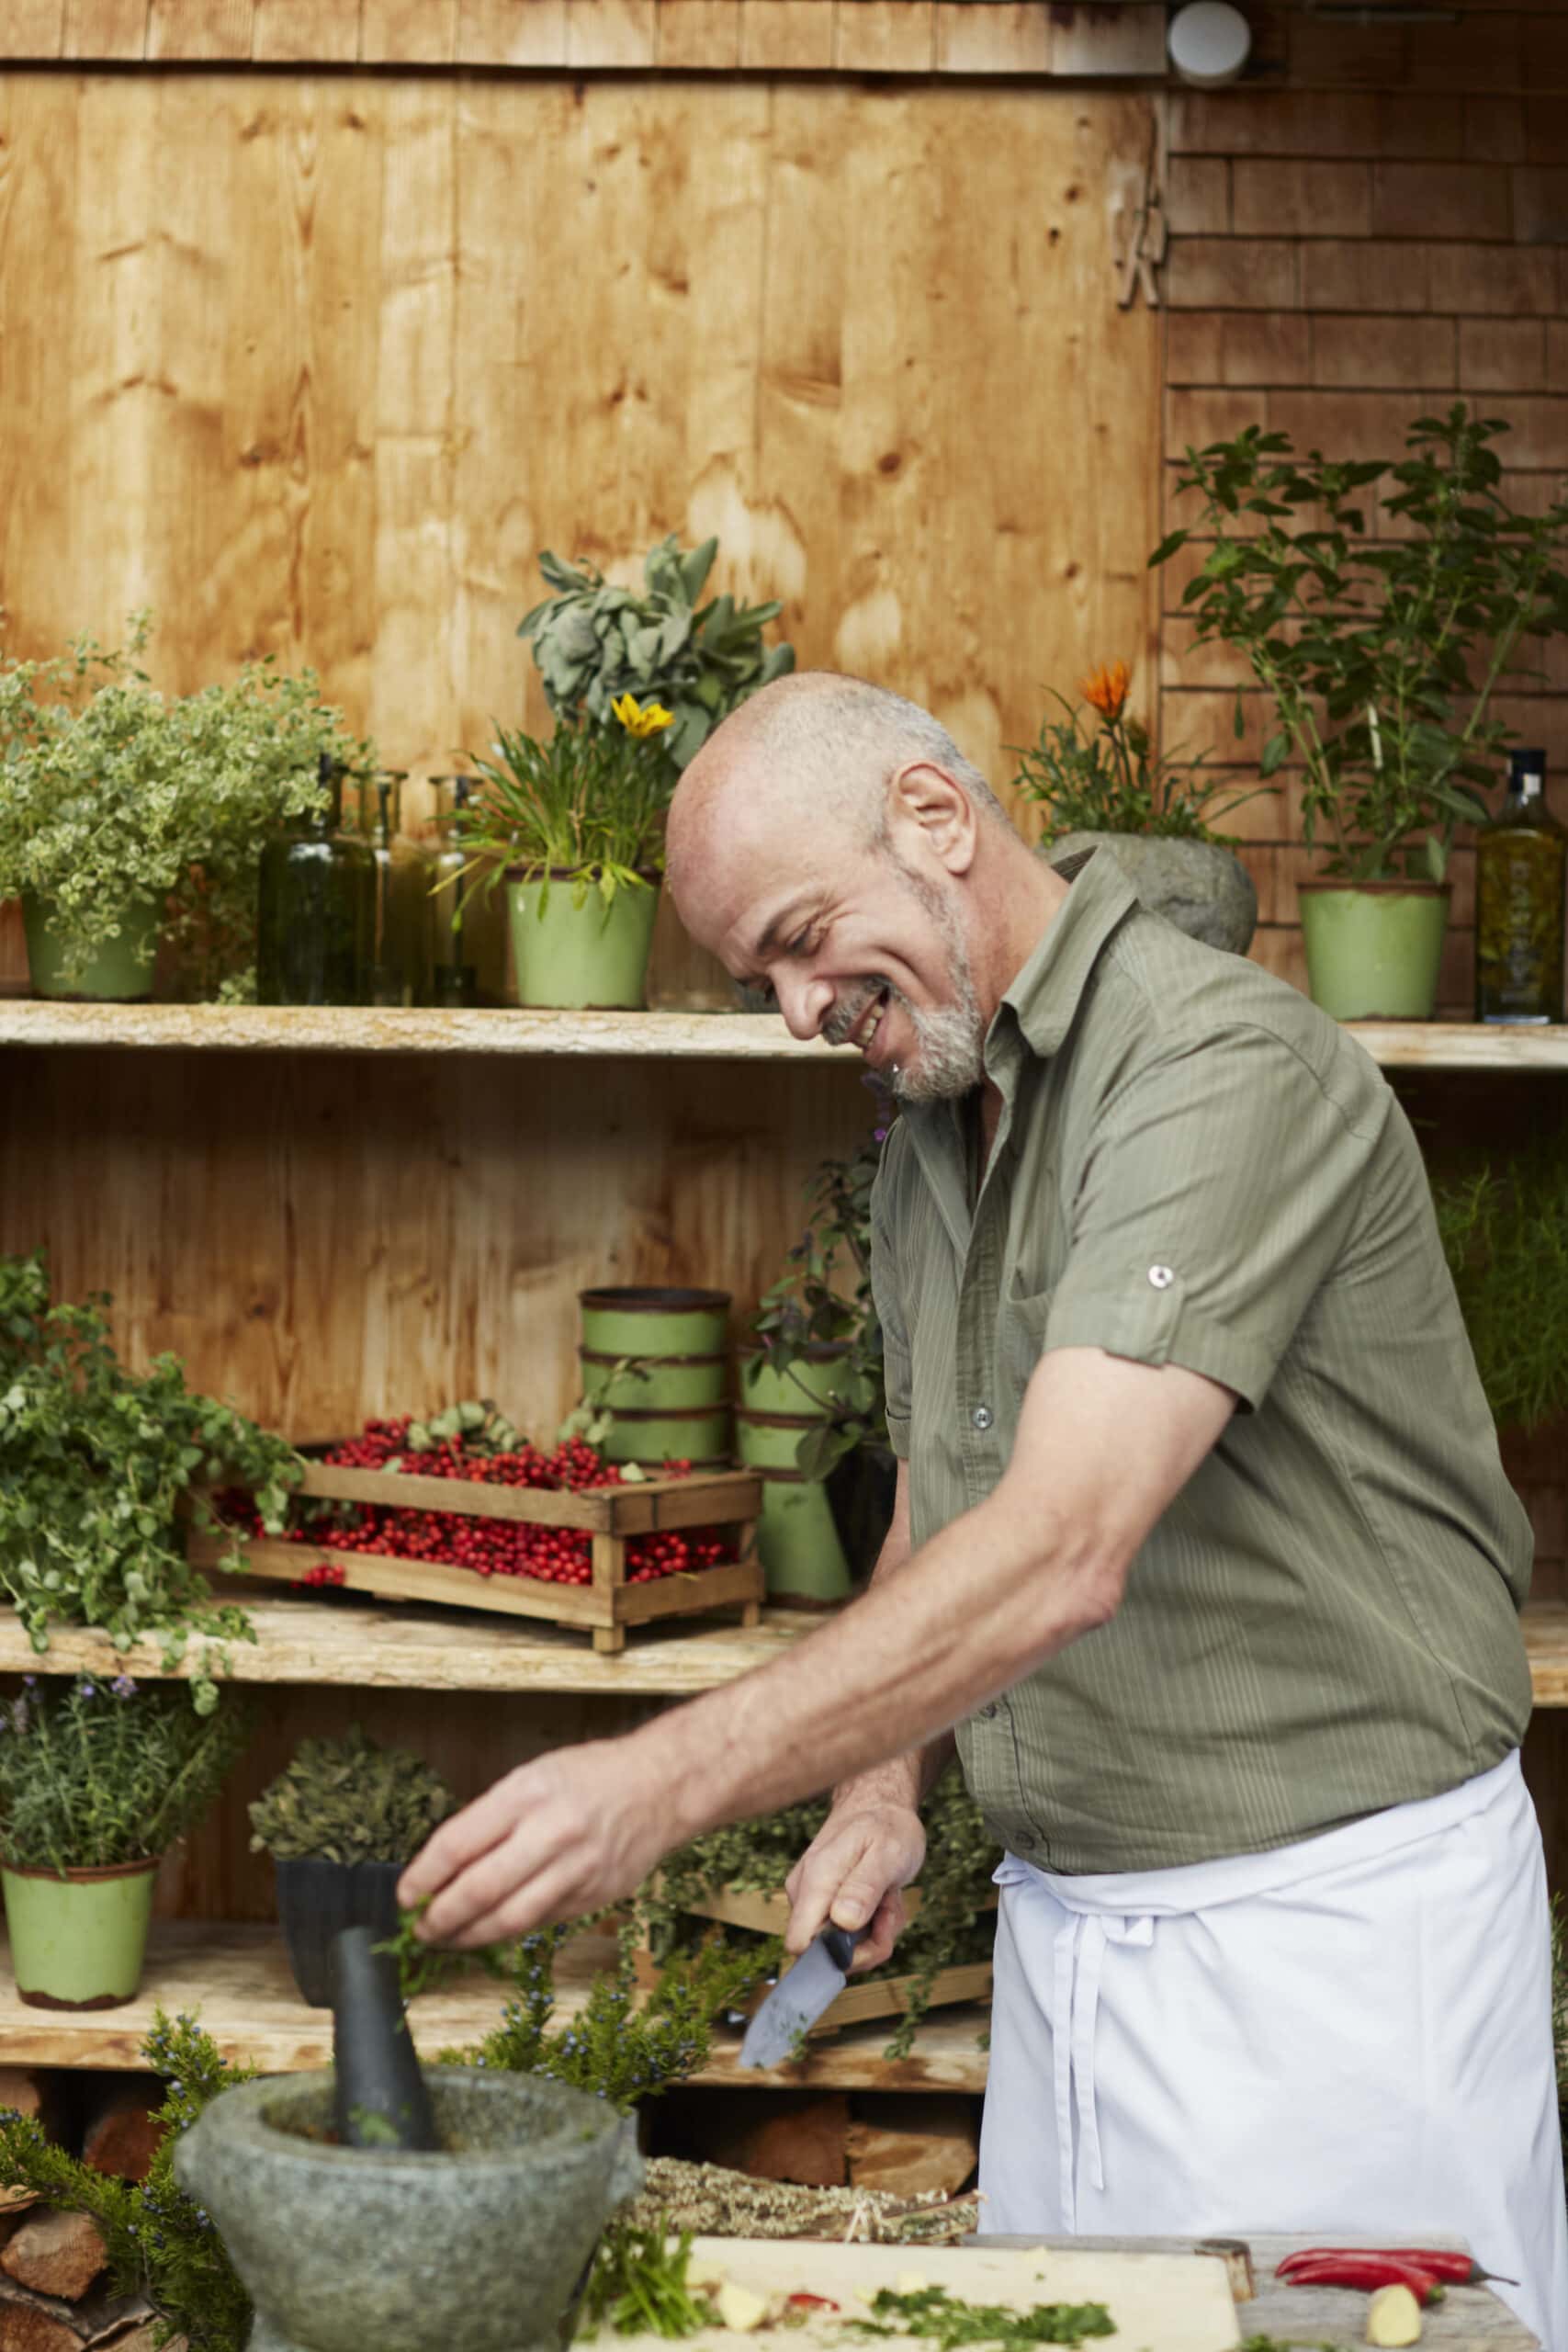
(1444, 2263)
(1361, 2266)
(811, 2302)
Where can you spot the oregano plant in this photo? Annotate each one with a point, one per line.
(100, 1474)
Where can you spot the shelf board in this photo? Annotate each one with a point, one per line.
(357, 1029)
(358, 1647)
(236, 1981)
(355, 1646)
(692, 1037)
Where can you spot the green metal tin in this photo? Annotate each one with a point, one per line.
(646, 1322)
(771, 1442)
(78, 1942)
(653, 1384)
(798, 1542)
(668, 1437)
(809, 1385)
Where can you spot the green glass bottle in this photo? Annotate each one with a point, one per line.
(454, 919)
(398, 927)
(1521, 860)
(316, 900)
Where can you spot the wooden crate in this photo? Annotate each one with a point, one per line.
(768, 1914)
(611, 1516)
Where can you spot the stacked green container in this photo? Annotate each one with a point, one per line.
(797, 1536)
(657, 1359)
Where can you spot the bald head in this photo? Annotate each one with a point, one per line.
(820, 746)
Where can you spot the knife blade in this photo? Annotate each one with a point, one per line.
(799, 1997)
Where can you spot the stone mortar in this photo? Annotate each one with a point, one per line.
(481, 2249)
(1201, 886)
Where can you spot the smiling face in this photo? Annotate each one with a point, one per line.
(861, 936)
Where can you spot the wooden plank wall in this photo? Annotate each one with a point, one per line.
(314, 365)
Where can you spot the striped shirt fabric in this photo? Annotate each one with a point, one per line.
(1195, 1166)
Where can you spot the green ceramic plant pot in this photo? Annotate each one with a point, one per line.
(1373, 950)
(810, 1386)
(798, 1543)
(589, 957)
(653, 1384)
(78, 1942)
(649, 1322)
(771, 1441)
(668, 1437)
(120, 972)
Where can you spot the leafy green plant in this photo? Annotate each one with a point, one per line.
(98, 1463)
(1505, 1232)
(587, 807)
(94, 1773)
(1382, 657)
(621, 2048)
(638, 2285)
(593, 642)
(160, 2243)
(954, 1924)
(1112, 780)
(112, 795)
(810, 1306)
(350, 1800)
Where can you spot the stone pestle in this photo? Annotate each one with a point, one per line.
(381, 2100)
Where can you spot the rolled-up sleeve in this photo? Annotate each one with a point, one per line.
(1214, 1194)
(885, 1298)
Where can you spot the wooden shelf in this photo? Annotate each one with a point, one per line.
(356, 1029)
(694, 1036)
(357, 1646)
(236, 1980)
(361, 1648)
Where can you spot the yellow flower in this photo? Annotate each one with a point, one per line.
(1106, 689)
(642, 720)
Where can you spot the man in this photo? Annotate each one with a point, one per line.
(1202, 1550)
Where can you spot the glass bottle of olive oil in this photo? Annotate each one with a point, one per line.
(1521, 858)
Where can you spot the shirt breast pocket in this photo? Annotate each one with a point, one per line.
(1023, 1338)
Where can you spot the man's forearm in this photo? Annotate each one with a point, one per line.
(972, 1611)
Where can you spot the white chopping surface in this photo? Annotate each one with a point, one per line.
(1158, 2302)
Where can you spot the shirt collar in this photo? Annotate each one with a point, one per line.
(1043, 998)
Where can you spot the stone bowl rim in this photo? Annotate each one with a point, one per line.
(244, 2124)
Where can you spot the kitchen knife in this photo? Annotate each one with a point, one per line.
(799, 1997)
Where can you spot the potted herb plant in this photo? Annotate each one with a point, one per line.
(125, 816)
(595, 643)
(1381, 657)
(812, 1414)
(575, 824)
(99, 1472)
(1106, 786)
(97, 1781)
(342, 1822)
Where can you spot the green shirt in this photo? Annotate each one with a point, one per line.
(1195, 1166)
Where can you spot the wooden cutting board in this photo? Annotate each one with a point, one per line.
(1158, 2302)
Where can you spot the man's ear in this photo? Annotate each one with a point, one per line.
(925, 801)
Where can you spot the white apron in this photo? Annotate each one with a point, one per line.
(1350, 2037)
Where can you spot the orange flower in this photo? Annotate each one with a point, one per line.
(1106, 689)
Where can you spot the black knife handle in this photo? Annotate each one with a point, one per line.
(839, 1944)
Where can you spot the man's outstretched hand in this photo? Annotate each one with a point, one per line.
(567, 1834)
(855, 1870)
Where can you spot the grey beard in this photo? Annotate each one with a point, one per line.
(952, 1048)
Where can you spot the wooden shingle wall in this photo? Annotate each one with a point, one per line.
(1378, 228)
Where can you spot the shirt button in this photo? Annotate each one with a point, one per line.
(988, 1710)
(982, 1416)
(1161, 1277)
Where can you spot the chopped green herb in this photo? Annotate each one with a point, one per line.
(946, 2320)
(639, 2286)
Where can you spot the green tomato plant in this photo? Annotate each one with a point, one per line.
(1382, 657)
(593, 642)
(114, 796)
(99, 1467)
